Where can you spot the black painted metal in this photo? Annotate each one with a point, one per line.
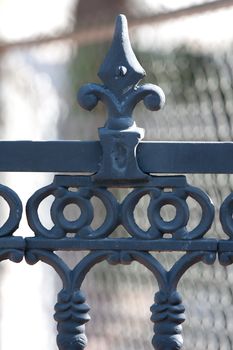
(119, 159)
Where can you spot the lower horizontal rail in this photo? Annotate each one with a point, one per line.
(114, 244)
(12, 243)
(122, 244)
(225, 246)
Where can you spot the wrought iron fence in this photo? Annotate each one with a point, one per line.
(119, 160)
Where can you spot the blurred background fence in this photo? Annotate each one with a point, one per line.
(47, 51)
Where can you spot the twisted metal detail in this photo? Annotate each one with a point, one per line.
(71, 315)
(167, 315)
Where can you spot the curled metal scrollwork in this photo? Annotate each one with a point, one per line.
(120, 213)
(225, 258)
(11, 248)
(158, 226)
(15, 211)
(14, 255)
(82, 226)
(226, 215)
(121, 108)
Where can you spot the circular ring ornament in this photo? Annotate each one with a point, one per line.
(57, 212)
(180, 220)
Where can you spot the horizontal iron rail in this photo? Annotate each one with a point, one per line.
(225, 246)
(122, 244)
(12, 243)
(210, 244)
(85, 156)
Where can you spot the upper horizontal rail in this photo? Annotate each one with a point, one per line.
(85, 156)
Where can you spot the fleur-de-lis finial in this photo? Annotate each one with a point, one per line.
(121, 73)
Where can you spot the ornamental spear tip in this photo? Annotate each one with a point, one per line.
(121, 70)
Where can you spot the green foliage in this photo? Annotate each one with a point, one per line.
(176, 71)
(85, 64)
